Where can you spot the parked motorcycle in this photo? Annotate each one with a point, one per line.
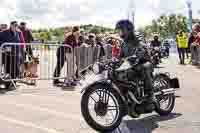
(119, 91)
(164, 52)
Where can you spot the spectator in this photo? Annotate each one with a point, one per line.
(100, 45)
(187, 50)
(82, 41)
(71, 40)
(115, 50)
(3, 27)
(91, 40)
(28, 38)
(182, 43)
(195, 43)
(193, 49)
(22, 55)
(12, 57)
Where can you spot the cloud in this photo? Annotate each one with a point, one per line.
(52, 13)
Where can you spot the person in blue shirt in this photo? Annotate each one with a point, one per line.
(11, 59)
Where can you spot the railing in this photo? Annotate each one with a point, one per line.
(48, 62)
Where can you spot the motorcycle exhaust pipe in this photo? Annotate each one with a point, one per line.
(168, 91)
(165, 92)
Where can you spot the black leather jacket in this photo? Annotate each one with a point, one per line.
(135, 47)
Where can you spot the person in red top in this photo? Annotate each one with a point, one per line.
(64, 53)
(195, 46)
(72, 39)
(115, 49)
(28, 38)
(196, 29)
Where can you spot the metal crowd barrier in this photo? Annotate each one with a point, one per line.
(48, 62)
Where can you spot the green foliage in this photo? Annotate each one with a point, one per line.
(196, 20)
(166, 26)
(57, 34)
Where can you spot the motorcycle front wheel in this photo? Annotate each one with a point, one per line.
(102, 108)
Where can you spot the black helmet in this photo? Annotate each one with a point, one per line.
(125, 24)
(156, 37)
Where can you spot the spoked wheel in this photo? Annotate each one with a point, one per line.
(166, 102)
(102, 108)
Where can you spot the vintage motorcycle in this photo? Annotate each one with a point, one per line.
(164, 52)
(119, 91)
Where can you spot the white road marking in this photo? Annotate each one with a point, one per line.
(48, 97)
(42, 109)
(28, 124)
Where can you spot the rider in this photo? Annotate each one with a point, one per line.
(155, 42)
(133, 46)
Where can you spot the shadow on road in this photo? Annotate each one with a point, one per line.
(4, 91)
(144, 125)
(68, 88)
(157, 67)
(178, 96)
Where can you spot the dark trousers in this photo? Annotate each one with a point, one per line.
(194, 55)
(147, 72)
(167, 50)
(12, 66)
(187, 50)
(29, 52)
(181, 53)
(59, 66)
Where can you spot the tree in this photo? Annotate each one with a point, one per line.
(166, 26)
(196, 21)
(95, 30)
(45, 36)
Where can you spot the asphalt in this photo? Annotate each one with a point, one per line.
(48, 109)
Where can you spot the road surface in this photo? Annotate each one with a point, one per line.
(47, 109)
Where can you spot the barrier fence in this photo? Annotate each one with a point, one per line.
(47, 61)
(52, 61)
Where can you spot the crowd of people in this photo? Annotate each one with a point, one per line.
(189, 43)
(20, 34)
(15, 58)
(76, 37)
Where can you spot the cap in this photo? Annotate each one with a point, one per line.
(13, 22)
(23, 23)
(91, 35)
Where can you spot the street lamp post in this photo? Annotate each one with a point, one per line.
(131, 11)
(189, 5)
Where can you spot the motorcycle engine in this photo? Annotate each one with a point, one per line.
(121, 76)
(128, 75)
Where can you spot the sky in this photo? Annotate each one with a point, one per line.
(55, 13)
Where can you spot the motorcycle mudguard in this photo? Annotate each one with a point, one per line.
(174, 82)
(107, 83)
